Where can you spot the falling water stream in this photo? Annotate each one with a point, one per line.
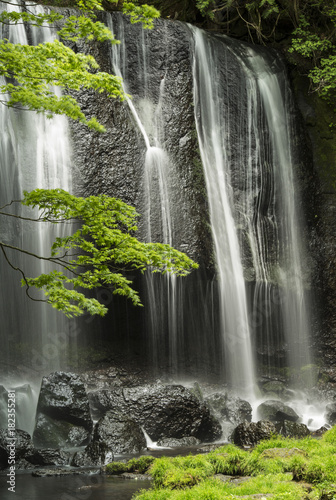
(212, 128)
(35, 153)
(162, 292)
(244, 128)
(265, 210)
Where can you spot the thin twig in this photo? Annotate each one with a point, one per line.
(22, 274)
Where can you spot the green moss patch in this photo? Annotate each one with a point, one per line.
(280, 468)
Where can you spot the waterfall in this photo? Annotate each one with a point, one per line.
(162, 291)
(213, 128)
(252, 318)
(250, 186)
(213, 122)
(35, 153)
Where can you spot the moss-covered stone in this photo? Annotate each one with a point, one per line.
(116, 468)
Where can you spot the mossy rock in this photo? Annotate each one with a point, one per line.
(116, 468)
(282, 453)
(141, 464)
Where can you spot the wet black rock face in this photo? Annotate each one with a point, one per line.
(250, 433)
(230, 408)
(21, 445)
(163, 411)
(276, 411)
(63, 412)
(120, 434)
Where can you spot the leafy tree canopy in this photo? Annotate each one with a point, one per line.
(307, 29)
(99, 253)
(32, 70)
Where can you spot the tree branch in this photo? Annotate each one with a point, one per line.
(2, 245)
(57, 261)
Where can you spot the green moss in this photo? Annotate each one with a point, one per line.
(141, 464)
(115, 468)
(273, 467)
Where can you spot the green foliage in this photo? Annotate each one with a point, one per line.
(139, 465)
(273, 468)
(115, 468)
(330, 436)
(314, 40)
(33, 70)
(206, 7)
(181, 472)
(99, 253)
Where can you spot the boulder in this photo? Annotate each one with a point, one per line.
(56, 434)
(119, 434)
(330, 413)
(250, 433)
(175, 443)
(292, 429)
(276, 411)
(63, 416)
(22, 445)
(230, 408)
(95, 454)
(163, 411)
(47, 457)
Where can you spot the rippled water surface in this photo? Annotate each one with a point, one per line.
(81, 487)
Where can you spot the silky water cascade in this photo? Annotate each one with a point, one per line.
(249, 154)
(215, 158)
(244, 316)
(35, 153)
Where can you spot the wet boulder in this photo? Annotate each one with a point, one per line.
(95, 454)
(47, 457)
(276, 411)
(230, 408)
(179, 443)
(330, 413)
(119, 434)
(163, 411)
(292, 429)
(250, 433)
(63, 412)
(16, 446)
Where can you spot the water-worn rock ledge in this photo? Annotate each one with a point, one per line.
(126, 417)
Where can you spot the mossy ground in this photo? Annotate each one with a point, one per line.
(281, 468)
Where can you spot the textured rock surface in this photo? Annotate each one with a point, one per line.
(163, 411)
(95, 454)
(317, 115)
(292, 429)
(119, 434)
(330, 414)
(183, 442)
(48, 457)
(276, 411)
(231, 408)
(21, 446)
(63, 412)
(249, 434)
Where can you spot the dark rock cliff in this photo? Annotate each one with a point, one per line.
(113, 163)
